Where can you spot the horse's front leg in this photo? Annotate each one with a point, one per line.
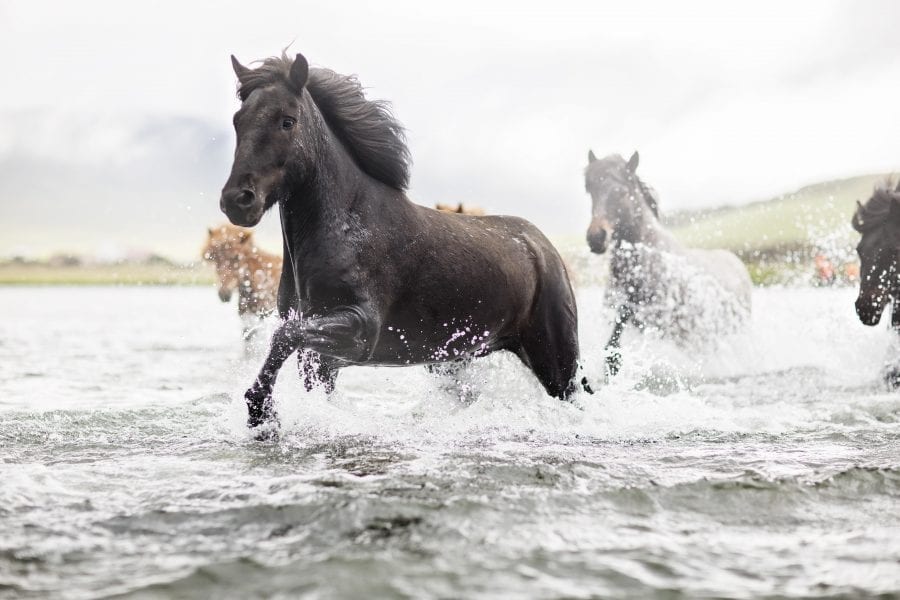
(347, 335)
(285, 341)
(312, 368)
(611, 350)
(891, 370)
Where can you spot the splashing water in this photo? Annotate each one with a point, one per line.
(766, 464)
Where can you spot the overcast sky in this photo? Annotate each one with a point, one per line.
(115, 118)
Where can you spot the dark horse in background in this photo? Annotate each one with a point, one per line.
(878, 220)
(688, 294)
(370, 278)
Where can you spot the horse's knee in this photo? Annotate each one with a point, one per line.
(315, 372)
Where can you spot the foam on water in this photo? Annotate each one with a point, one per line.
(767, 463)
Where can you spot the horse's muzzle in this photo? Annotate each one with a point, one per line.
(870, 307)
(242, 206)
(598, 240)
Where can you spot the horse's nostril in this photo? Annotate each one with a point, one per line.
(244, 198)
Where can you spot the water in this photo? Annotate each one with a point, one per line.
(765, 466)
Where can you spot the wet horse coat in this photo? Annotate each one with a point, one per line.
(687, 294)
(369, 277)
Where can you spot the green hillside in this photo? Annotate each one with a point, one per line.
(814, 216)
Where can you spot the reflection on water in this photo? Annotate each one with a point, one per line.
(767, 463)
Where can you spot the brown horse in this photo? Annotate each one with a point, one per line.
(460, 209)
(242, 266)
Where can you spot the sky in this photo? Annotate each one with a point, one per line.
(115, 119)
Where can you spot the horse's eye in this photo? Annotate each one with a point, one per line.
(288, 122)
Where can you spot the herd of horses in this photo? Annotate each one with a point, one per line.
(367, 277)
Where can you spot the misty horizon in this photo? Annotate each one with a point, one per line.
(111, 141)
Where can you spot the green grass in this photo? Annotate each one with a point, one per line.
(811, 217)
(776, 239)
(12, 273)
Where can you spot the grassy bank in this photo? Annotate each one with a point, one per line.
(811, 216)
(776, 238)
(14, 273)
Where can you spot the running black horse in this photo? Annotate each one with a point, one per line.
(878, 220)
(370, 278)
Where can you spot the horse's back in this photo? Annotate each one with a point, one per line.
(484, 269)
(727, 269)
(512, 240)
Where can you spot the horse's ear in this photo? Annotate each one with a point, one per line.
(591, 156)
(239, 69)
(299, 72)
(633, 162)
(210, 230)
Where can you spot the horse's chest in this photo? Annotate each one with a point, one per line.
(321, 290)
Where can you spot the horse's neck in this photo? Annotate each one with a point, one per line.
(641, 227)
(326, 193)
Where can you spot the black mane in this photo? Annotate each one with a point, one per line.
(877, 208)
(650, 196)
(367, 128)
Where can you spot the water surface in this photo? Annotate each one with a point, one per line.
(767, 465)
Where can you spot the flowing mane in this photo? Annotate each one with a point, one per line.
(367, 128)
(650, 196)
(877, 208)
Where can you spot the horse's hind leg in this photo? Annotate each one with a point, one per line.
(554, 361)
(315, 371)
(549, 346)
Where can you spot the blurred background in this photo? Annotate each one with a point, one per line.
(759, 123)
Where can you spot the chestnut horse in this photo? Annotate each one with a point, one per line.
(460, 209)
(241, 265)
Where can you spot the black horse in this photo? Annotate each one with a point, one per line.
(878, 220)
(370, 278)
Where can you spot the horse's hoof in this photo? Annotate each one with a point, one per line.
(260, 408)
(586, 386)
(266, 432)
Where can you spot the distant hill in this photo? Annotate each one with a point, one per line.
(777, 238)
(814, 216)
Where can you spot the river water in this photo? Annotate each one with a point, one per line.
(764, 465)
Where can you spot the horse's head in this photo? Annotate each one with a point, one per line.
(225, 247)
(878, 220)
(271, 133)
(617, 197)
